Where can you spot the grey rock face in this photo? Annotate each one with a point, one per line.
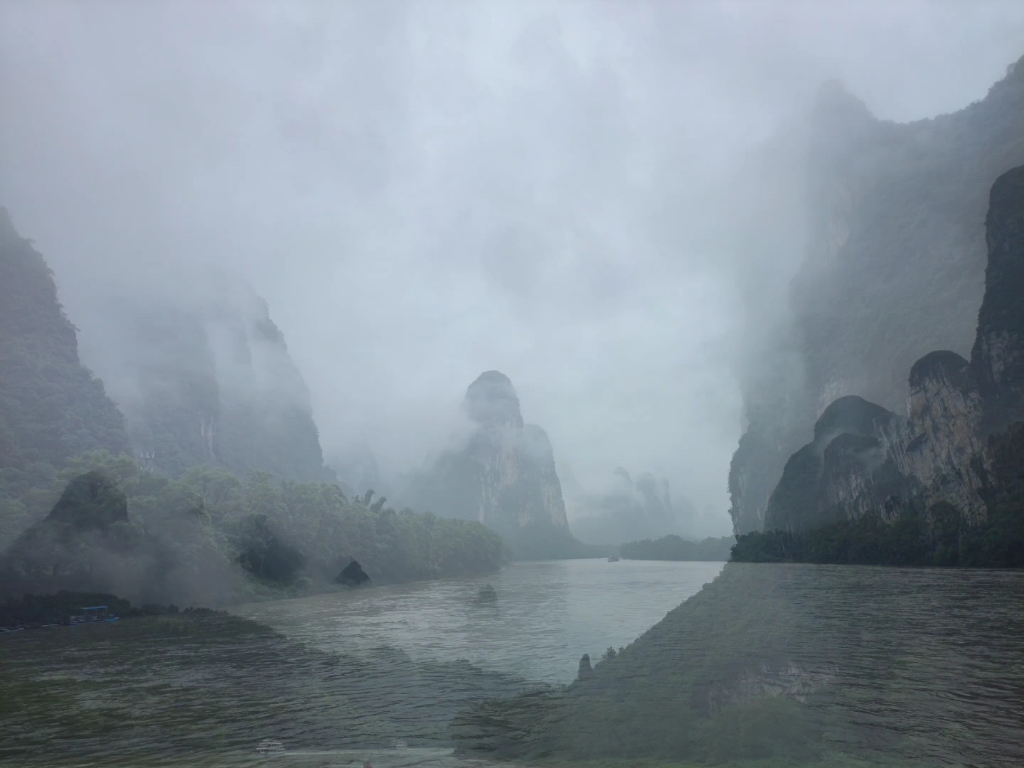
(894, 266)
(864, 457)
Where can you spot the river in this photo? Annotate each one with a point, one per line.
(924, 667)
(545, 617)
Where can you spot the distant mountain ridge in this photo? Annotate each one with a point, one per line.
(630, 510)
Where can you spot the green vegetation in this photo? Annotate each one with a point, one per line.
(674, 547)
(188, 536)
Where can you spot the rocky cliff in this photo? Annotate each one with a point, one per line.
(51, 406)
(504, 476)
(865, 458)
(207, 379)
(894, 260)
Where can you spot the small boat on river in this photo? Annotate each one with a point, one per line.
(613, 559)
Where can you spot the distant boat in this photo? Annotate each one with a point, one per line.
(270, 747)
(613, 559)
(400, 744)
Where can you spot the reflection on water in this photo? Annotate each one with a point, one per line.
(881, 666)
(546, 617)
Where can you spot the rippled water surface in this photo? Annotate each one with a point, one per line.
(546, 616)
(902, 667)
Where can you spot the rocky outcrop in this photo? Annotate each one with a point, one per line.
(586, 670)
(893, 267)
(352, 575)
(841, 472)
(865, 458)
(504, 476)
(207, 379)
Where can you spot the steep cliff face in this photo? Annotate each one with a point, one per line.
(893, 267)
(998, 354)
(865, 458)
(504, 477)
(208, 380)
(51, 406)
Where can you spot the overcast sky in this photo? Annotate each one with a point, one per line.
(427, 190)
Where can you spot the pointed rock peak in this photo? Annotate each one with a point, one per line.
(620, 472)
(491, 400)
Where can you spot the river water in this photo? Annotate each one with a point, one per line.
(926, 665)
(545, 617)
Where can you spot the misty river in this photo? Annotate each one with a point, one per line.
(339, 678)
(546, 616)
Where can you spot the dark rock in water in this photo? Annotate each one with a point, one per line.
(487, 594)
(91, 501)
(352, 575)
(586, 670)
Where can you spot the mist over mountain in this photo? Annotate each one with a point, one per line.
(892, 220)
(502, 475)
(204, 377)
(940, 485)
(628, 510)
